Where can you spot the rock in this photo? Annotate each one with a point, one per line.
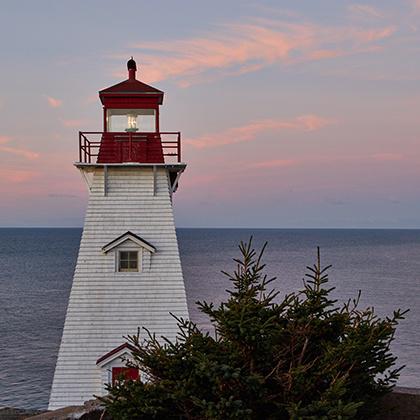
(90, 410)
(10, 413)
(402, 404)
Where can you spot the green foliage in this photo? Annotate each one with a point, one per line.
(300, 357)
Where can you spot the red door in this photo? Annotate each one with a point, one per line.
(124, 373)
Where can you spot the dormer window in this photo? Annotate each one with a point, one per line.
(114, 367)
(128, 261)
(133, 254)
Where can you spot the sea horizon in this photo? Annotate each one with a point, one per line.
(233, 227)
(37, 265)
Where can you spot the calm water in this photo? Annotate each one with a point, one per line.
(36, 268)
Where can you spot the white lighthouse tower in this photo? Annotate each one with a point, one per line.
(128, 271)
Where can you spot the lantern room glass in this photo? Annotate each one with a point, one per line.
(131, 120)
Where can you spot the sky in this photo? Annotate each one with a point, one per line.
(294, 114)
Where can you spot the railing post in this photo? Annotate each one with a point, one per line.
(130, 145)
(179, 147)
(84, 149)
(87, 148)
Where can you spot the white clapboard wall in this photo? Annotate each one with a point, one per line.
(106, 305)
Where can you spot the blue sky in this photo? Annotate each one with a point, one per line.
(293, 114)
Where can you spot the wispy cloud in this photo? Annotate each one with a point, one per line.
(416, 5)
(276, 163)
(5, 148)
(386, 157)
(5, 139)
(312, 122)
(15, 176)
(365, 10)
(53, 102)
(373, 35)
(27, 154)
(237, 48)
(250, 131)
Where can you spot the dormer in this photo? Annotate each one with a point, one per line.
(114, 367)
(132, 253)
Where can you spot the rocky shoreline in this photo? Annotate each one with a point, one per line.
(11, 413)
(402, 404)
(90, 410)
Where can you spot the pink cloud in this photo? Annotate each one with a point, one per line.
(27, 154)
(365, 10)
(375, 34)
(243, 48)
(16, 176)
(312, 122)
(277, 163)
(53, 102)
(4, 139)
(385, 157)
(251, 130)
(416, 5)
(320, 54)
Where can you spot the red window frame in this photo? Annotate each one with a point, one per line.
(124, 373)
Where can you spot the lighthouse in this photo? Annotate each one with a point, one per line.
(128, 272)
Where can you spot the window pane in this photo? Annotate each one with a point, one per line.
(124, 373)
(132, 255)
(123, 264)
(128, 261)
(133, 264)
(125, 120)
(124, 255)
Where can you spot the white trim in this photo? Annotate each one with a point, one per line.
(180, 165)
(88, 180)
(139, 260)
(173, 188)
(109, 375)
(118, 355)
(125, 238)
(105, 180)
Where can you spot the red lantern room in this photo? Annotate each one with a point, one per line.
(130, 126)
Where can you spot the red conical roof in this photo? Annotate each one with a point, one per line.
(132, 86)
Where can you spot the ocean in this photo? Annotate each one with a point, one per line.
(36, 269)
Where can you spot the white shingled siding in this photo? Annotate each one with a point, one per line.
(105, 305)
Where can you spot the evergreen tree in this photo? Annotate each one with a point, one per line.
(300, 357)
